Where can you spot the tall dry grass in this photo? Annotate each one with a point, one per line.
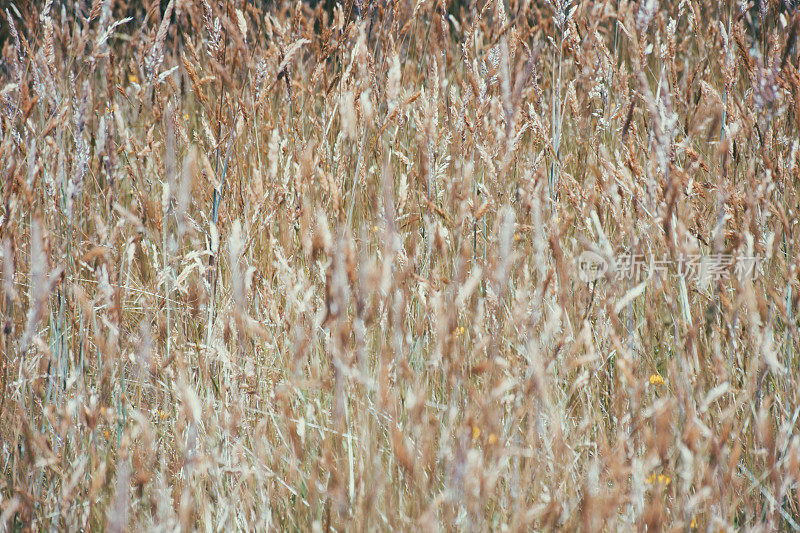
(283, 266)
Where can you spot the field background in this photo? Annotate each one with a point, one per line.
(289, 266)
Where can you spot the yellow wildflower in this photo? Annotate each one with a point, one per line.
(656, 379)
(661, 478)
(476, 432)
(133, 78)
(492, 438)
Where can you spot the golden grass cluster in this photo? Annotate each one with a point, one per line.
(278, 265)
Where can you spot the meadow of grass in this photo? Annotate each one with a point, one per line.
(278, 265)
